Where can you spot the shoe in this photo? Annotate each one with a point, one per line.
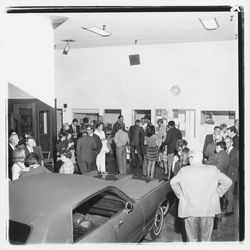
(165, 178)
(229, 213)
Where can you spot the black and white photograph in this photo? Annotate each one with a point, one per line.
(123, 122)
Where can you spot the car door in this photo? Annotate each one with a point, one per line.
(128, 225)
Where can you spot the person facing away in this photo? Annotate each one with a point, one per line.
(33, 166)
(180, 146)
(199, 188)
(114, 131)
(173, 135)
(152, 154)
(161, 136)
(18, 166)
(67, 166)
(121, 140)
(136, 138)
(84, 150)
(183, 160)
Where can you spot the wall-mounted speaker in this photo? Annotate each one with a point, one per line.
(134, 59)
(65, 105)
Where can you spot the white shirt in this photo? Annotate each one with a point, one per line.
(30, 149)
(13, 147)
(17, 169)
(101, 134)
(229, 149)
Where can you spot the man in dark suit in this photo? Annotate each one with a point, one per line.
(173, 135)
(232, 172)
(96, 151)
(136, 138)
(84, 151)
(232, 133)
(210, 138)
(74, 129)
(13, 142)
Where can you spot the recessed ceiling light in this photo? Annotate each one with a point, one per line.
(99, 31)
(209, 23)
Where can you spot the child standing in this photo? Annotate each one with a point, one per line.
(67, 166)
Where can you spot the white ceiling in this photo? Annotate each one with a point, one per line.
(145, 27)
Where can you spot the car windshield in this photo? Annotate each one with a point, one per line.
(18, 232)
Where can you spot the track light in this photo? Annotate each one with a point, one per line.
(209, 23)
(66, 48)
(99, 31)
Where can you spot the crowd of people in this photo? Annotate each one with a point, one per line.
(195, 177)
(25, 157)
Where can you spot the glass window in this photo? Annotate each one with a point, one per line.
(43, 122)
(95, 211)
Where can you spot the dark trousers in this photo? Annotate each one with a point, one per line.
(84, 166)
(57, 166)
(135, 162)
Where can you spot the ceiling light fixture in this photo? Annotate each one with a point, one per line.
(101, 32)
(66, 48)
(209, 23)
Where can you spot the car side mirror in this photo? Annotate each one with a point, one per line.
(129, 207)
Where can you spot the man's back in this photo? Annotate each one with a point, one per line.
(208, 140)
(135, 133)
(198, 190)
(173, 135)
(85, 145)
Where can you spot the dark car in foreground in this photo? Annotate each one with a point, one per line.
(61, 208)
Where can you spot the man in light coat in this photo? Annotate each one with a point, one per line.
(199, 188)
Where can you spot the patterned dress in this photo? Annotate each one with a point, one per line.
(152, 148)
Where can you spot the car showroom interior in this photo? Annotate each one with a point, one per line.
(124, 123)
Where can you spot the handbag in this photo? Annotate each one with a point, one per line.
(162, 148)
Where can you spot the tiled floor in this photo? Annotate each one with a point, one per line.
(228, 228)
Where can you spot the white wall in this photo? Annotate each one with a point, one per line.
(29, 57)
(103, 78)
